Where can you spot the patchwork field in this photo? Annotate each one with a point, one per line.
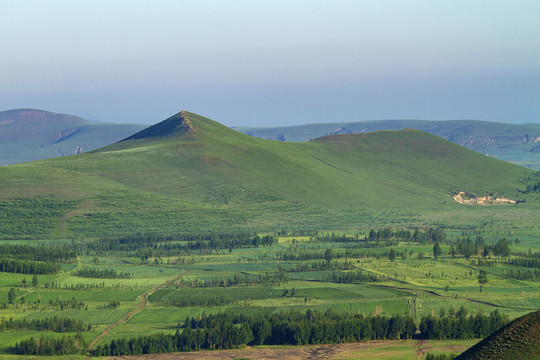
(128, 291)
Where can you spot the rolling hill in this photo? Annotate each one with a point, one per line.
(518, 340)
(517, 143)
(188, 173)
(29, 134)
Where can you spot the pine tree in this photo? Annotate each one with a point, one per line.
(437, 251)
(482, 279)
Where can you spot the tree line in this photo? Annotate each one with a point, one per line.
(460, 326)
(38, 253)
(334, 254)
(56, 324)
(523, 274)
(428, 236)
(354, 276)
(227, 330)
(146, 246)
(89, 272)
(322, 266)
(27, 266)
(466, 247)
(51, 346)
(525, 262)
(277, 278)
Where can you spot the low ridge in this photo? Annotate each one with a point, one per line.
(32, 134)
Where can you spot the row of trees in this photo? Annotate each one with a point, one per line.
(152, 245)
(523, 274)
(354, 276)
(461, 326)
(56, 324)
(225, 330)
(419, 236)
(38, 253)
(28, 266)
(465, 247)
(322, 266)
(89, 272)
(330, 254)
(51, 346)
(525, 262)
(277, 278)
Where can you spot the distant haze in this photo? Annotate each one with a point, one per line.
(273, 63)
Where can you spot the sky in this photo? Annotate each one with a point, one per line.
(273, 63)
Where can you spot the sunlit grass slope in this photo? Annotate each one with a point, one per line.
(189, 171)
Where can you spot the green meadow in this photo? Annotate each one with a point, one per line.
(191, 285)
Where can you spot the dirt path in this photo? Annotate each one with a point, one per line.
(144, 301)
(312, 352)
(430, 292)
(420, 353)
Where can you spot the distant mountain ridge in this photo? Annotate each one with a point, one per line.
(31, 134)
(516, 143)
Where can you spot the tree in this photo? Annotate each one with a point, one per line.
(462, 312)
(502, 248)
(392, 255)
(328, 255)
(442, 312)
(24, 282)
(451, 311)
(482, 279)
(437, 251)
(34, 281)
(11, 295)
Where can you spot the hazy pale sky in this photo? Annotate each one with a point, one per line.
(270, 63)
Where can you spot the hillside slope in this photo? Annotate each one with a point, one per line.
(189, 172)
(517, 143)
(518, 340)
(29, 134)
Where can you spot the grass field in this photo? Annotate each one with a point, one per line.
(413, 285)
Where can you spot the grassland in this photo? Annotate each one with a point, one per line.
(162, 291)
(205, 176)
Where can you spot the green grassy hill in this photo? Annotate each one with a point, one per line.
(517, 143)
(518, 340)
(189, 172)
(28, 134)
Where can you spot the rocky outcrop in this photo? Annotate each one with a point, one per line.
(463, 197)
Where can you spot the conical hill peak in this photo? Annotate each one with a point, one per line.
(176, 125)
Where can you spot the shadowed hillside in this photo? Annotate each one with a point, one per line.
(518, 340)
